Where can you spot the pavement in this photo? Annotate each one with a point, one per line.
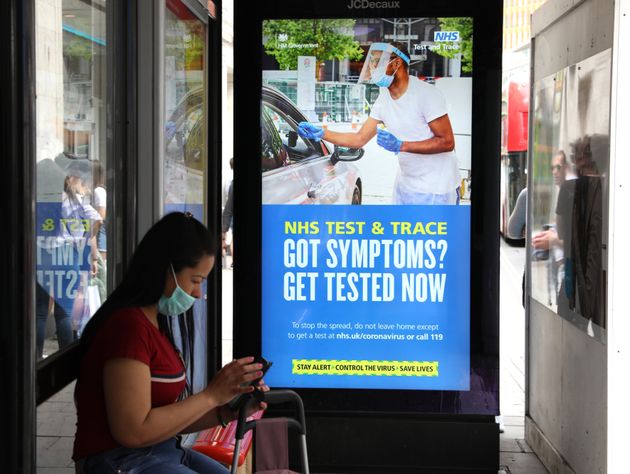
(56, 417)
(516, 456)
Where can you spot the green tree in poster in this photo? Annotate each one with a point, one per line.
(285, 40)
(465, 43)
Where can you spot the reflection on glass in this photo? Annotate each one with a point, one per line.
(185, 149)
(71, 161)
(569, 176)
(185, 110)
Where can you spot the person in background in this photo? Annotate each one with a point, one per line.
(516, 227)
(99, 201)
(44, 305)
(80, 220)
(68, 247)
(516, 221)
(228, 217)
(548, 244)
(133, 395)
(77, 224)
(100, 204)
(582, 231)
(561, 171)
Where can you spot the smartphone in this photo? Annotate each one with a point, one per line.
(265, 367)
(236, 403)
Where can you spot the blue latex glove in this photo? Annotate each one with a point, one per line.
(310, 131)
(388, 141)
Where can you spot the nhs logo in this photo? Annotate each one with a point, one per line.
(441, 36)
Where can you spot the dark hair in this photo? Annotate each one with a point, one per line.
(596, 148)
(177, 239)
(402, 47)
(70, 186)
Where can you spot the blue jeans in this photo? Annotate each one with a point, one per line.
(101, 238)
(162, 458)
(63, 321)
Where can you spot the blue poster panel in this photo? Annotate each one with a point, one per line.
(367, 296)
(366, 176)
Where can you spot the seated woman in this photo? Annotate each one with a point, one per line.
(132, 394)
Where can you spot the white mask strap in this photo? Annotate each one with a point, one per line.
(174, 276)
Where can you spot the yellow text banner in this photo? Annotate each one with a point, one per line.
(378, 368)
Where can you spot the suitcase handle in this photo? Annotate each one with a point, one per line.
(272, 397)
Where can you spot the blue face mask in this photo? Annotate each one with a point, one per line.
(381, 78)
(384, 81)
(179, 302)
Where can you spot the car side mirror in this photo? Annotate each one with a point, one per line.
(343, 153)
(292, 136)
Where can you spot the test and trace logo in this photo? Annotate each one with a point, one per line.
(366, 4)
(442, 36)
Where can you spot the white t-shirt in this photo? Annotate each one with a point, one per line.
(100, 197)
(408, 119)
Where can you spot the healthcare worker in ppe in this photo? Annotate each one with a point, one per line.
(418, 129)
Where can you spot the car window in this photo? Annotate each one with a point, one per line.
(184, 138)
(287, 130)
(273, 155)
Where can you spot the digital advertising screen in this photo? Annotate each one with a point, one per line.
(366, 206)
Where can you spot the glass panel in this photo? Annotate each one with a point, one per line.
(227, 260)
(185, 110)
(227, 173)
(71, 163)
(71, 196)
(185, 137)
(569, 212)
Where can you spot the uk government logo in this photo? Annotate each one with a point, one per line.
(365, 4)
(283, 43)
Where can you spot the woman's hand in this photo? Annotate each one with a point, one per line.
(94, 257)
(253, 408)
(233, 379)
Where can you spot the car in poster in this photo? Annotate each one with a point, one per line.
(300, 171)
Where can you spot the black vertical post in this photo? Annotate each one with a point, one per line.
(17, 132)
(214, 175)
(122, 162)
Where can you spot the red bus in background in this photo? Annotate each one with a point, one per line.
(514, 139)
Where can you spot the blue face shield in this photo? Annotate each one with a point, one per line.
(376, 62)
(179, 302)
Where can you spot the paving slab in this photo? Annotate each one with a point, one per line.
(522, 463)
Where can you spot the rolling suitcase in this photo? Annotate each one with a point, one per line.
(246, 426)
